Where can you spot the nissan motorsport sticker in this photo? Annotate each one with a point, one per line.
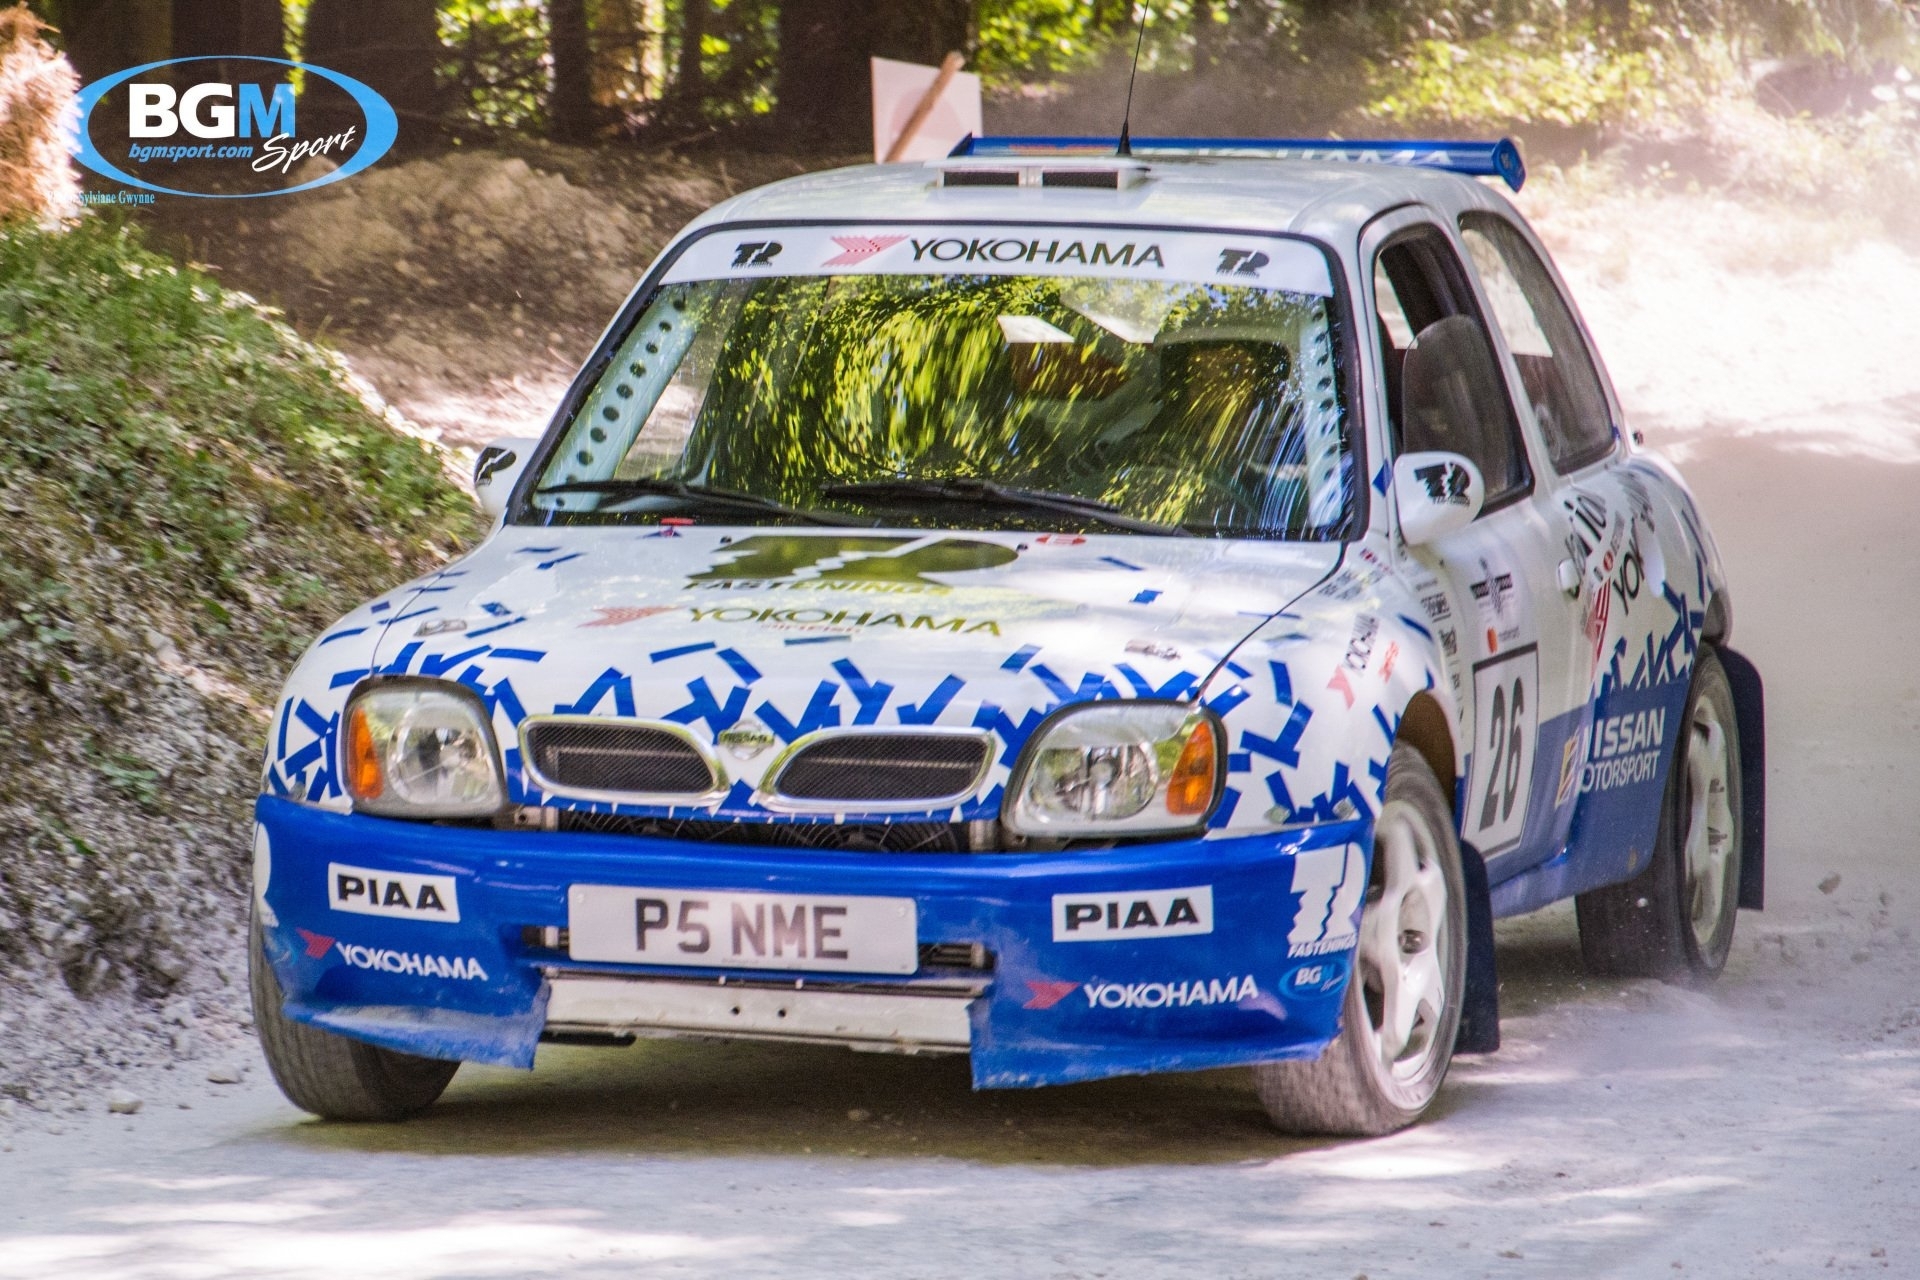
(1106, 252)
(1624, 751)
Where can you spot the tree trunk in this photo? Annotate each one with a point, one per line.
(823, 88)
(690, 78)
(570, 101)
(209, 28)
(105, 36)
(392, 46)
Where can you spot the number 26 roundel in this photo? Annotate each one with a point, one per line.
(1506, 713)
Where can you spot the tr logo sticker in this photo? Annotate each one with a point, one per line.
(756, 253)
(1242, 262)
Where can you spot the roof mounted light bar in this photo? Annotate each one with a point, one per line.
(1476, 159)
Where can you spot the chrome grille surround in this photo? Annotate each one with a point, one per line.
(663, 761)
(870, 769)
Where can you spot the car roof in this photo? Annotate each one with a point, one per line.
(1326, 200)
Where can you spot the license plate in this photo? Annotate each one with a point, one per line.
(700, 928)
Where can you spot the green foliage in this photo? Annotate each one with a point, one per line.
(496, 63)
(1017, 36)
(195, 450)
(1495, 81)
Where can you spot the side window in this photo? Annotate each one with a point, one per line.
(1555, 366)
(1442, 385)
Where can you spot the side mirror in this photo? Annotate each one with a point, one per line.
(496, 471)
(1435, 493)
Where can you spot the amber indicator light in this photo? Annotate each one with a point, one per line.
(1190, 788)
(363, 758)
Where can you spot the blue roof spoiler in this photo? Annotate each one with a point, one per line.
(1477, 159)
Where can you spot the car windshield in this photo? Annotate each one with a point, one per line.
(1095, 380)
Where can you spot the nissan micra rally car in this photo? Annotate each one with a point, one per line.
(1098, 614)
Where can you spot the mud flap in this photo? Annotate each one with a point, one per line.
(1749, 709)
(1480, 1012)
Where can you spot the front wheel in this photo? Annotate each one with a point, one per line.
(1403, 1001)
(333, 1077)
(1675, 919)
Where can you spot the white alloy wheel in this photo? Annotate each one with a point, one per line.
(1401, 1010)
(1403, 957)
(1708, 843)
(1675, 919)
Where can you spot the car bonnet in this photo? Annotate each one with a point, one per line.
(792, 630)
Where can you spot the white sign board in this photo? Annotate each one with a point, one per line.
(898, 88)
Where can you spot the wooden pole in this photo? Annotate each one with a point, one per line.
(949, 68)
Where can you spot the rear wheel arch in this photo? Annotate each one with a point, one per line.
(1718, 625)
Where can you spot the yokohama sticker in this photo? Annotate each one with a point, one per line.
(1007, 249)
(413, 964)
(1171, 994)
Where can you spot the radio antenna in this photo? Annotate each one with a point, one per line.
(1126, 116)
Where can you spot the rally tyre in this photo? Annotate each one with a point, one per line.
(1403, 1000)
(331, 1076)
(1674, 921)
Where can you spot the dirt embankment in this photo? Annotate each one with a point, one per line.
(188, 492)
(467, 286)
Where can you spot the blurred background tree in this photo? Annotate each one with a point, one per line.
(792, 73)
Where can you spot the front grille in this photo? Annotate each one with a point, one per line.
(616, 758)
(955, 955)
(855, 768)
(875, 837)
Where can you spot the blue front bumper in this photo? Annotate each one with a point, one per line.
(1265, 984)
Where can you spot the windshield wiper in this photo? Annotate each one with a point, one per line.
(657, 486)
(992, 493)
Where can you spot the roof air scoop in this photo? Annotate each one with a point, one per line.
(1084, 173)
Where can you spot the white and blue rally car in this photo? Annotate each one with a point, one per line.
(1099, 613)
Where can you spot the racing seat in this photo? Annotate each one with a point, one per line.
(1454, 399)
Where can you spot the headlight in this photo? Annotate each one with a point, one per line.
(1118, 768)
(421, 749)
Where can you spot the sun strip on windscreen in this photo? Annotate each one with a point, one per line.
(1183, 257)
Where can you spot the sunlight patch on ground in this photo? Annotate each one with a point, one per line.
(496, 1245)
(220, 1183)
(1676, 1186)
(1371, 1163)
(1599, 1225)
(1508, 1076)
(216, 1211)
(865, 1218)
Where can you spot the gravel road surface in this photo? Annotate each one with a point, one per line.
(1769, 1125)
